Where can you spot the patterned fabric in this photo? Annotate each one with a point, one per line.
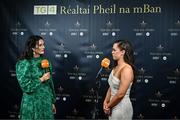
(123, 110)
(37, 97)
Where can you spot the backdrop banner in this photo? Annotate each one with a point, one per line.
(78, 35)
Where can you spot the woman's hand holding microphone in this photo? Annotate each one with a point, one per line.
(45, 77)
(45, 65)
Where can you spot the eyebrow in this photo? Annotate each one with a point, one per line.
(113, 49)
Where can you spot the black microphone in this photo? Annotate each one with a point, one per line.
(45, 65)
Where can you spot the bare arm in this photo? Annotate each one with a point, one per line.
(106, 101)
(108, 95)
(126, 79)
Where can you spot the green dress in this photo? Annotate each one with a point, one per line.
(38, 96)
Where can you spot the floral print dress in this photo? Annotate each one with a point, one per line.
(38, 97)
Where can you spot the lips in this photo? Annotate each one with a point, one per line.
(42, 51)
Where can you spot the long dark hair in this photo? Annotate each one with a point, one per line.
(129, 59)
(30, 43)
(129, 52)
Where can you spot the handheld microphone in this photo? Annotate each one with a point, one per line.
(104, 64)
(45, 65)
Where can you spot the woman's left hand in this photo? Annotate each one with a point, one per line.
(53, 108)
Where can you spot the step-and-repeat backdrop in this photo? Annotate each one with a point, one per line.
(78, 35)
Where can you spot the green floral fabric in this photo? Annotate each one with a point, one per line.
(37, 97)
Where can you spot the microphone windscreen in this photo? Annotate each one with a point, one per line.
(45, 63)
(105, 63)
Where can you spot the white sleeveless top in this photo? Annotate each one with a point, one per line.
(114, 85)
(123, 110)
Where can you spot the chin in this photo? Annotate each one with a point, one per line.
(42, 53)
(114, 58)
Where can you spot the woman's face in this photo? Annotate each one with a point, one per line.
(39, 48)
(116, 52)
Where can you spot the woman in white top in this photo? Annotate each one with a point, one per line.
(117, 104)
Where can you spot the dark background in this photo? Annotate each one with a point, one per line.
(76, 51)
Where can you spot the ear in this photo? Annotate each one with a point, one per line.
(123, 52)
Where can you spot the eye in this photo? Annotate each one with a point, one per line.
(40, 45)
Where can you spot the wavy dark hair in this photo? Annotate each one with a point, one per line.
(30, 43)
(129, 59)
(129, 52)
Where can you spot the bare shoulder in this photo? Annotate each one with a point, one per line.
(127, 68)
(127, 73)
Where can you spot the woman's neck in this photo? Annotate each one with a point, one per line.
(120, 62)
(36, 55)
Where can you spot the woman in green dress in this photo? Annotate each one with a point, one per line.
(36, 82)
